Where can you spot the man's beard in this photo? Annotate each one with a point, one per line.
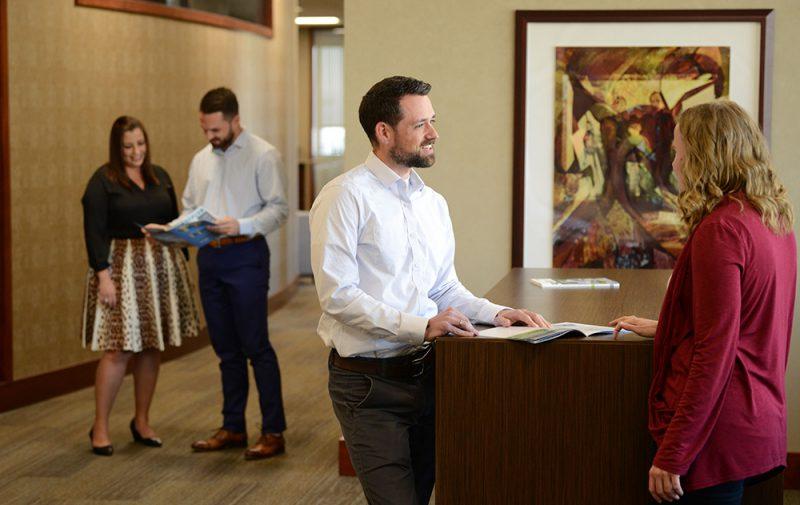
(225, 143)
(412, 160)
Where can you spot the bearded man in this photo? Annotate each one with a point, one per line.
(237, 178)
(382, 250)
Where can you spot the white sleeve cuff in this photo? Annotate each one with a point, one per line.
(245, 226)
(412, 328)
(488, 312)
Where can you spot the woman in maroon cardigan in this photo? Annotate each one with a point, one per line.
(717, 406)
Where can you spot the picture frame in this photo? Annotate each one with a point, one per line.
(748, 34)
(185, 10)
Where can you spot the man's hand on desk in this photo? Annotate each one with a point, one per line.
(449, 322)
(638, 325)
(507, 317)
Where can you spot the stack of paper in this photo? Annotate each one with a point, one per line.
(577, 283)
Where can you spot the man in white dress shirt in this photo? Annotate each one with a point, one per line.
(382, 252)
(236, 177)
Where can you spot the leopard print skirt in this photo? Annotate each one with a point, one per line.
(155, 301)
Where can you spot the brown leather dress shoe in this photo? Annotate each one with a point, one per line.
(266, 447)
(222, 439)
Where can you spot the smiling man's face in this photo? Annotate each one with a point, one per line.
(414, 135)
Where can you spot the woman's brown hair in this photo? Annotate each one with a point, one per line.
(727, 153)
(116, 167)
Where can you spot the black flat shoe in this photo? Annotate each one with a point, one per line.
(105, 450)
(138, 438)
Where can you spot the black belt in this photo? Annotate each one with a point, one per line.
(399, 368)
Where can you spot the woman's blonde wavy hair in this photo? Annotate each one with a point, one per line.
(727, 153)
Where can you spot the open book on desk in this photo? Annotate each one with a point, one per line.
(190, 230)
(539, 335)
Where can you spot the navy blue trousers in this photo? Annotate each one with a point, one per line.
(234, 281)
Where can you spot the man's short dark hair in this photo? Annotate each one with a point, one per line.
(381, 104)
(220, 100)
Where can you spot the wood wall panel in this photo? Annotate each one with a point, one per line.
(6, 345)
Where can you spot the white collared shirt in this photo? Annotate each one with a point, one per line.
(243, 182)
(382, 252)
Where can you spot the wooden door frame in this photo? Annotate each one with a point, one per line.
(6, 346)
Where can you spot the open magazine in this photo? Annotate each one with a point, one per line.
(189, 230)
(539, 335)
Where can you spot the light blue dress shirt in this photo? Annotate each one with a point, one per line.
(243, 182)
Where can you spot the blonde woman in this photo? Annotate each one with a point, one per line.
(138, 294)
(717, 401)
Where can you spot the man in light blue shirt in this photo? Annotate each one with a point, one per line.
(236, 177)
(382, 252)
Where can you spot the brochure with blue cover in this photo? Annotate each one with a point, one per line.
(190, 230)
(195, 234)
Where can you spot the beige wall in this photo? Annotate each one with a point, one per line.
(465, 48)
(304, 94)
(72, 71)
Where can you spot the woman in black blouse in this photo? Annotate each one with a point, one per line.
(138, 294)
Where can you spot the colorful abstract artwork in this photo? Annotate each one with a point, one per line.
(615, 193)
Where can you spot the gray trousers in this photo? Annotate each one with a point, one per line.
(388, 427)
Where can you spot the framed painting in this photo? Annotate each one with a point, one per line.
(597, 95)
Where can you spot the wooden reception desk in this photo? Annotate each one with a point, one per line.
(559, 423)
